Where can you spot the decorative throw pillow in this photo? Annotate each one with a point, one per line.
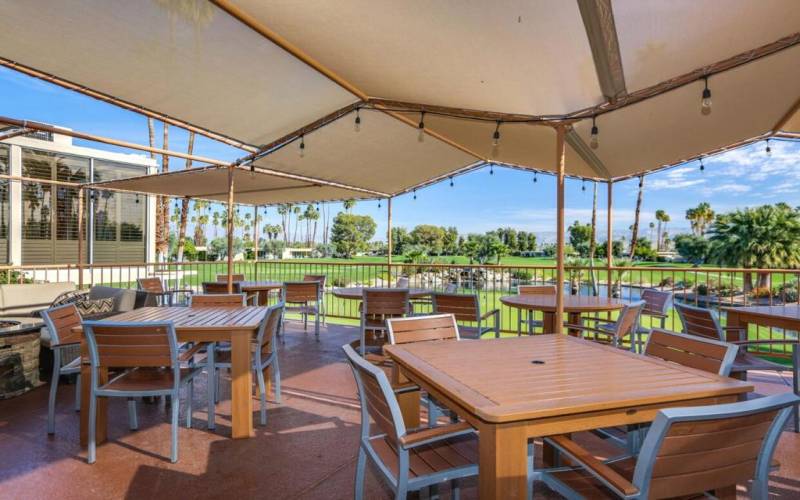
(70, 297)
(95, 307)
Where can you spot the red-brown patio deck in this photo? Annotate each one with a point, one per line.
(307, 450)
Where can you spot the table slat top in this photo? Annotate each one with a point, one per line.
(572, 303)
(198, 318)
(261, 285)
(497, 381)
(357, 292)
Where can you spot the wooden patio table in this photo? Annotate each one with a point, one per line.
(261, 286)
(574, 306)
(356, 292)
(786, 317)
(515, 389)
(238, 325)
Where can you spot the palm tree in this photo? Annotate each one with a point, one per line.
(349, 204)
(652, 227)
(298, 216)
(185, 203)
(311, 216)
(762, 237)
(284, 211)
(700, 217)
(662, 218)
(635, 232)
(215, 220)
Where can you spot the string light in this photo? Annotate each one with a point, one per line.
(705, 103)
(252, 170)
(357, 124)
(594, 142)
(535, 180)
(302, 146)
(491, 169)
(702, 167)
(583, 185)
(768, 149)
(379, 204)
(496, 140)
(641, 181)
(451, 181)
(421, 127)
(415, 194)
(137, 198)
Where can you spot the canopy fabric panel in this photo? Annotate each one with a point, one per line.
(503, 56)
(384, 155)
(199, 64)
(660, 40)
(251, 188)
(748, 102)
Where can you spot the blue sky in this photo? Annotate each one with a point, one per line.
(478, 201)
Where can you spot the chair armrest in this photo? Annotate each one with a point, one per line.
(493, 312)
(189, 353)
(432, 434)
(655, 314)
(595, 467)
(588, 328)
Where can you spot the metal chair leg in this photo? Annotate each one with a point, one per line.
(51, 402)
(262, 389)
(277, 374)
(174, 427)
(92, 452)
(78, 392)
(212, 383)
(189, 398)
(316, 324)
(455, 489)
(360, 473)
(133, 421)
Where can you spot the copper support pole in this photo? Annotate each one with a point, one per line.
(80, 237)
(230, 229)
(609, 234)
(255, 232)
(561, 133)
(389, 238)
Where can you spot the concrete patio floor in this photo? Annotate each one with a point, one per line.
(307, 449)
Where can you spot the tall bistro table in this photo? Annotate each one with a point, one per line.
(237, 325)
(356, 292)
(519, 388)
(574, 306)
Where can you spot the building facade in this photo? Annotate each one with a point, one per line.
(39, 222)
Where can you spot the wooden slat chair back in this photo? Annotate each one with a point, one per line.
(300, 292)
(704, 354)
(152, 285)
(321, 278)
(536, 289)
(700, 322)
(422, 328)
(656, 302)
(628, 320)
(402, 282)
(236, 277)
(269, 329)
(216, 287)
(61, 322)
(123, 345)
(218, 300)
(463, 307)
(408, 461)
(689, 451)
(378, 305)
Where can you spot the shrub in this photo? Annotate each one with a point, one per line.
(761, 293)
(522, 275)
(340, 282)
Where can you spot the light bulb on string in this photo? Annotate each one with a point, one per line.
(302, 146)
(252, 170)
(583, 185)
(357, 123)
(702, 167)
(137, 197)
(641, 181)
(421, 127)
(379, 204)
(415, 194)
(496, 140)
(535, 180)
(768, 149)
(491, 169)
(451, 181)
(705, 103)
(594, 141)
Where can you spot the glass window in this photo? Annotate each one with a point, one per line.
(118, 216)
(37, 199)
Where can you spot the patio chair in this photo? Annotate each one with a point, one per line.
(303, 297)
(265, 356)
(526, 317)
(613, 332)
(155, 287)
(149, 353)
(467, 308)
(703, 322)
(406, 460)
(321, 278)
(421, 329)
(221, 288)
(60, 321)
(223, 278)
(687, 451)
(656, 306)
(378, 305)
(402, 282)
(218, 300)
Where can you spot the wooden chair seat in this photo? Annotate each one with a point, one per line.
(586, 485)
(146, 379)
(459, 451)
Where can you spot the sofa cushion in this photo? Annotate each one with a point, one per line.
(93, 308)
(124, 299)
(26, 298)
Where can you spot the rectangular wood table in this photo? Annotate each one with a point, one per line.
(237, 325)
(786, 317)
(515, 389)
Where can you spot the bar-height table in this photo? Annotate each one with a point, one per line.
(237, 325)
(574, 306)
(515, 389)
(262, 288)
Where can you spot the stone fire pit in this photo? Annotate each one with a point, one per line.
(19, 356)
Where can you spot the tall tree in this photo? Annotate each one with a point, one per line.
(637, 213)
(200, 219)
(298, 216)
(185, 204)
(162, 220)
(351, 233)
(311, 216)
(285, 211)
(700, 217)
(349, 204)
(660, 215)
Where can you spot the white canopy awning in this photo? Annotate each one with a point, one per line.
(261, 74)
